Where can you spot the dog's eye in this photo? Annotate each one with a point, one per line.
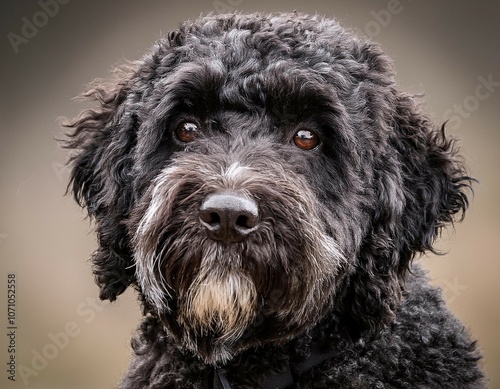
(306, 139)
(187, 132)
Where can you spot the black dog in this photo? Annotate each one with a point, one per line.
(264, 185)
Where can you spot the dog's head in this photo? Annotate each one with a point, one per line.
(253, 172)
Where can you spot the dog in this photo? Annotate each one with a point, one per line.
(264, 185)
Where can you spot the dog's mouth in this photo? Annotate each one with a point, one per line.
(223, 314)
(222, 305)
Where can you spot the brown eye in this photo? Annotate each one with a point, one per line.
(306, 140)
(187, 132)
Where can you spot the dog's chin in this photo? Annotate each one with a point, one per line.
(215, 313)
(223, 314)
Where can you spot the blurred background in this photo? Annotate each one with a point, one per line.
(51, 49)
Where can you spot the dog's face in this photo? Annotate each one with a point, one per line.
(252, 173)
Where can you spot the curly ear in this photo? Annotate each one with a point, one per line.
(420, 184)
(104, 140)
(435, 180)
(100, 181)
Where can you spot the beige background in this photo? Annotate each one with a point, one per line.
(439, 48)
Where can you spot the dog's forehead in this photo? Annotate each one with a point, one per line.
(251, 83)
(255, 58)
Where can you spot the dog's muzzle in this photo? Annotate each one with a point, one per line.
(233, 254)
(229, 217)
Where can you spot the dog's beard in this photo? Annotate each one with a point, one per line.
(218, 306)
(221, 304)
(217, 299)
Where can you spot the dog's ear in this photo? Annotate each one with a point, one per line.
(435, 181)
(421, 185)
(102, 139)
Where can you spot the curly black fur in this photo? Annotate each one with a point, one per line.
(339, 224)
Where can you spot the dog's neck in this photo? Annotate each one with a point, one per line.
(281, 379)
(323, 343)
(273, 364)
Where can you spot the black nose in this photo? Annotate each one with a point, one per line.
(229, 216)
